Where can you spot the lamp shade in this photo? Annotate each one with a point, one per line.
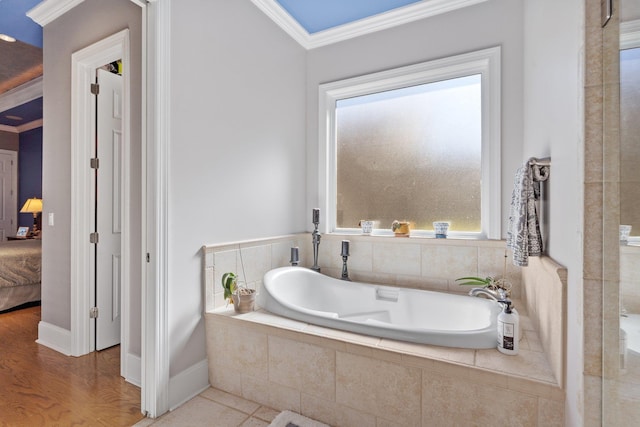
(33, 205)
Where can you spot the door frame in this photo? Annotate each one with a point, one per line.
(83, 112)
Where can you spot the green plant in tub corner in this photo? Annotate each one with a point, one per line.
(476, 281)
(486, 282)
(229, 284)
(489, 282)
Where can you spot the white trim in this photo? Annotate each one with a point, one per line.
(155, 210)
(29, 126)
(22, 128)
(54, 337)
(393, 18)
(188, 384)
(630, 34)
(50, 10)
(19, 95)
(485, 62)
(83, 66)
(134, 369)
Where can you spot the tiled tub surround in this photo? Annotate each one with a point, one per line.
(346, 379)
(326, 374)
(544, 289)
(421, 263)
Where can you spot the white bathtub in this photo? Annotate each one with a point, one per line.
(401, 314)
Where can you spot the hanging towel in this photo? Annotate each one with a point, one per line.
(523, 233)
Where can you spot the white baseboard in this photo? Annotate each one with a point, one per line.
(133, 372)
(54, 337)
(188, 384)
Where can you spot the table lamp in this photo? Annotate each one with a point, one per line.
(34, 206)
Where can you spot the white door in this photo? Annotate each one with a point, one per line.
(8, 190)
(109, 209)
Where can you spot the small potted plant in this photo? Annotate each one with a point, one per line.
(401, 228)
(487, 282)
(490, 282)
(243, 298)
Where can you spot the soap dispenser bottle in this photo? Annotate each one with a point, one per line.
(508, 329)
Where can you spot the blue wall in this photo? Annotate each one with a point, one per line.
(29, 171)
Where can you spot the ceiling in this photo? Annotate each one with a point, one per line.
(20, 62)
(313, 20)
(319, 15)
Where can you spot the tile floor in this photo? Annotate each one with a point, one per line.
(214, 407)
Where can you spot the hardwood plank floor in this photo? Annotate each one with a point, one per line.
(41, 387)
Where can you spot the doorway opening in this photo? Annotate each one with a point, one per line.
(101, 203)
(107, 206)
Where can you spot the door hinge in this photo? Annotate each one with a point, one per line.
(93, 237)
(95, 88)
(93, 313)
(94, 163)
(148, 257)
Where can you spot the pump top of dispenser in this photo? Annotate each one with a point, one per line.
(507, 305)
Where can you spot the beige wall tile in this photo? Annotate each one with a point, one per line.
(379, 388)
(530, 364)
(550, 413)
(449, 262)
(592, 401)
(302, 366)
(450, 401)
(396, 259)
(348, 417)
(593, 327)
(455, 355)
(256, 261)
(318, 409)
(271, 394)
(361, 258)
(281, 253)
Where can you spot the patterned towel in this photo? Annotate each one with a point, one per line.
(523, 233)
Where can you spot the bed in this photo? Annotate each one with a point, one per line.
(20, 263)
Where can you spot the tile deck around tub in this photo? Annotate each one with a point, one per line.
(529, 364)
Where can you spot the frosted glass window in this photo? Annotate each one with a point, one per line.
(411, 154)
(419, 143)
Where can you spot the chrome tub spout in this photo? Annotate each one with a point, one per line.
(496, 295)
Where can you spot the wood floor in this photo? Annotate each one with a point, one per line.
(41, 387)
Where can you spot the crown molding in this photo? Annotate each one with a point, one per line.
(630, 34)
(19, 95)
(50, 10)
(393, 18)
(22, 128)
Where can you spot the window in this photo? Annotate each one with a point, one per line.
(418, 143)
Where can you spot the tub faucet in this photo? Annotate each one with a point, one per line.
(315, 238)
(345, 255)
(498, 294)
(295, 257)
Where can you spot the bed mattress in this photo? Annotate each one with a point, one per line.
(20, 263)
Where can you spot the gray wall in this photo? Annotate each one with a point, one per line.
(237, 155)
(89, 22)
(494, 23)
(553, 110)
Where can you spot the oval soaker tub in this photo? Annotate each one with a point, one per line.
(424, 317)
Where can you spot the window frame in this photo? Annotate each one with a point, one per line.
(485, 62)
